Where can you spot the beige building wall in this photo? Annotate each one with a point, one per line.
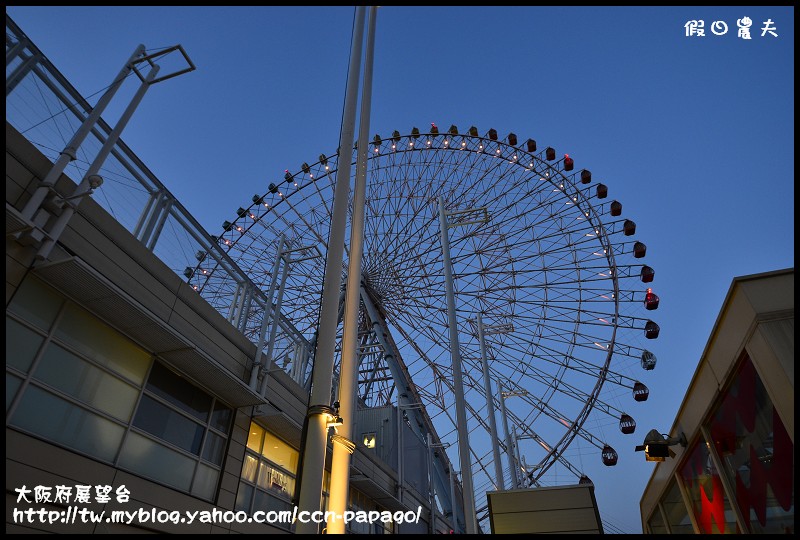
(756, 318)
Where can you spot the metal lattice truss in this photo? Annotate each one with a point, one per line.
(553, 270)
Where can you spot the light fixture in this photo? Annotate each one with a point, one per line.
(656, 445)
(95, 181)
(334, 421)
(369, 440)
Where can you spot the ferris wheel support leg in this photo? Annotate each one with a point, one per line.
(313, 451)
(455, 356)
(487, 386)
(509, 447)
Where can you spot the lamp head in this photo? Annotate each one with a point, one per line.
(95, 181)
(656, 445)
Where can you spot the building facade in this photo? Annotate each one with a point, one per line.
(736, 473)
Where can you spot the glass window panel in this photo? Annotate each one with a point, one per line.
(57, 420)
(280, 453)
(701, 479)
(172, 387)
(676, 511)
(255, 437)
(244, 497)
(36, 302)
(63, 370)
(275, 480)
(148, 458)
(656, 523)
(756, 452)
(159, 420)
(249, 468)
(221, 417)
(268, 503)
(22, 344)
(214, 448)
(12, 385)
(98, 341)
(205, 482)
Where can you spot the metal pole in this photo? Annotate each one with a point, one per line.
(453, 500)
(487, 387)
(310, 495)
(274, 331)
(519, 459)
(399, 452)
(509, 447)
(348, 372)
(84, 188)
(69, 152)
(267, 314)
(431, 483)
(455, 357)
(20, 72)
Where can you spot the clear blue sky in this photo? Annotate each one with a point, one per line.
(695, 136)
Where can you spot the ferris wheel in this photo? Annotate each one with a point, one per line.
(541, 255)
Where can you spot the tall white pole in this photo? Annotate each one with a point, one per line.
(84, 187)
(69, 152)
(487, 387)
(348, 372)
(455, 357)
(316, 441)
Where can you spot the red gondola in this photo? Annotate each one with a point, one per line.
(651, 330)
(647, 274)
(610, 456)
(651, 300)
(627, 424)
(629, 228)
(640, 392)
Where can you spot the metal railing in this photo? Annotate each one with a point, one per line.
(46, 109)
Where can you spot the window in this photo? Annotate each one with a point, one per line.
(57, 391)
(359, 501)
(711, 507)
(756, 452)
(179, 434)
(268, 473)
(656, 523)
(75, 381)
(675, 511)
